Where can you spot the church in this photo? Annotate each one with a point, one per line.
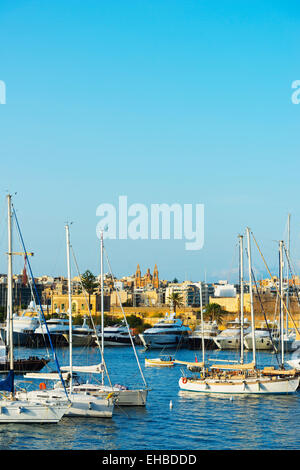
(148, 279)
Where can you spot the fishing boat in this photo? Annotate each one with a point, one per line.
(243, 378)
(15, 408)
(167, 333)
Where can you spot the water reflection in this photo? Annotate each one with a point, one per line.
(195, 421)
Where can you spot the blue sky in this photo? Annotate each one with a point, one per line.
(163, 101)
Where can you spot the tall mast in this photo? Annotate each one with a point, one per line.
(242, 297)
(251, 296)
(9, 286)
(102, 303)
(202, 332)
(287, 273)
(281, 302)
(70, 306)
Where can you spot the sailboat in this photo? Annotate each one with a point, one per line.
(13, 407)
(83, 402)
(125, 396)
(243, 378)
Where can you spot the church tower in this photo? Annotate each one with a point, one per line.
(138, 276)
(155, 280)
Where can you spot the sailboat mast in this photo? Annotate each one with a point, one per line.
(102, 303)
(70, 307)
(287, 272)
(281, 302)
(251, 296)
(9, 286)
(242, 297)
(202, 332)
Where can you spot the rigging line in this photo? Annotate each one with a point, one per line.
(292, 273)
(34, 299)
(265, 317)
(38, 298)
(283, 303)
(91, 318)
(125, 319)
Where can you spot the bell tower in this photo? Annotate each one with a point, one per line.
(155, 280)
(138, 276)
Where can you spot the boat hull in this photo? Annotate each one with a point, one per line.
(81, 404)
(195, 343)
(228, 343)
(261, 344)
(124, 397)
(30, 364)
(23, 411)
(241, 387)
(163, 341)
(158, 363)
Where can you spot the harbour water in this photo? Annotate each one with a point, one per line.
(172, 419)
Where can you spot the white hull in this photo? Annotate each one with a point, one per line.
(228, 343)
(294, 363)
(162, 341)
(261, 344)
(158, 363)
(81, 404)
(26, 411)
(88, 406)
(137, 397)
(116, 343)
(242, 387)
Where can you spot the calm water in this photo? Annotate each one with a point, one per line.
(195, 422)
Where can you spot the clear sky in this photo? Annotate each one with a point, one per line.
(173, 101)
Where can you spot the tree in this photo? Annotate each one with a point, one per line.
(175, 300)
(214, 312)
(89, 283)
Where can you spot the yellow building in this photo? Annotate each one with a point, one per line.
(60, 304)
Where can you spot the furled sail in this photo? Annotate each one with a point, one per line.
(7, 384)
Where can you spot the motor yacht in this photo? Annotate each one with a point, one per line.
(210, 331)
(230, 338)
(167, 333)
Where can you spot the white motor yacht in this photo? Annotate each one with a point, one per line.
(210, 331)
(167, 333)
(116, 335)
(57, 328)
(230, 338)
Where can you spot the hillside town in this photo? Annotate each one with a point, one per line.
(144, 294)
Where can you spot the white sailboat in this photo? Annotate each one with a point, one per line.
(13, 407)
(125, 396)
(83, 402)
(241, 378)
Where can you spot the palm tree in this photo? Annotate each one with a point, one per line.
(89, 283)
(175, 300)
(214, 312)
